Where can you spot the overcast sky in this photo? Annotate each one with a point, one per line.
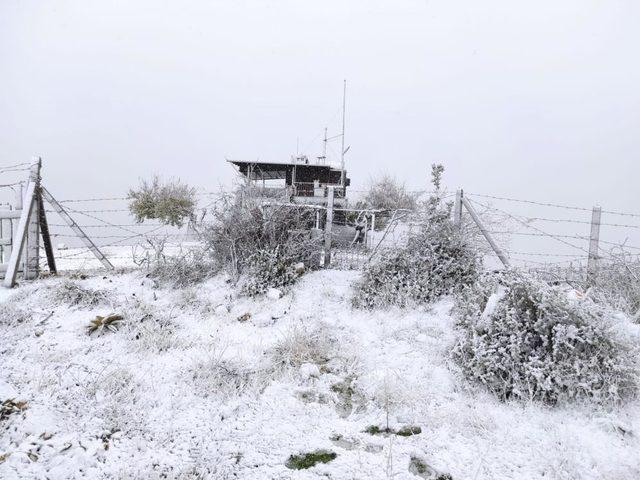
(537, 99)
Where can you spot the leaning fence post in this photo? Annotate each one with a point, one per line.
(327, 227)
(474, 216)
(457, 211)
(594, 237)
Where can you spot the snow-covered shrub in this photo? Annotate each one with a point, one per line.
(75, 295)
(116, 397)
(435, 261)
(524, 339)
(195, 299)
(149, 329)
(617, 285)
(260, 241)
(299, 345)
(217, 376)
(267, 269)
(185, 269)
(170, 202)
(10, 314)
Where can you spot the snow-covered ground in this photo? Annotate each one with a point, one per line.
(201, 383)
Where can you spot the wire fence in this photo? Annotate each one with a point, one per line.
(560, 241)
(532, 239)
(534, 234)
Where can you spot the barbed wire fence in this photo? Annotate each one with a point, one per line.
(541, 236)
(560, 238)
(109, 223)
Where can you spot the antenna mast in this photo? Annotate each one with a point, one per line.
(344, 96)
(324, 147)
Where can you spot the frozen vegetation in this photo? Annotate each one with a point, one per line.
(201, 382)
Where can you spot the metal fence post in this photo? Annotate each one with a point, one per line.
(327, 226)
(457, 211)
(594, 237)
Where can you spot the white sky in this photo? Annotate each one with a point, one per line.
(535, 100)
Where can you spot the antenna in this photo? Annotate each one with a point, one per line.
(344, 97)
(324, 147)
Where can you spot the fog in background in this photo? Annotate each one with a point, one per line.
(537, 100)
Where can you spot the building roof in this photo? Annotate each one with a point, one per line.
(278, 170)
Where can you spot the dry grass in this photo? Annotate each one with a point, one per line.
(100, 324)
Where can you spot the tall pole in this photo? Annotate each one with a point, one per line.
(344, 96)
(324, 147)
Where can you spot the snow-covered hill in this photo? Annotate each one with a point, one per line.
(200, 383)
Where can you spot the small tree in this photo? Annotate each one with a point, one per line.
(169, 202)
(386, 193)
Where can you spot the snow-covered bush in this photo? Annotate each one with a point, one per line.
(618, 285)
(170, 202)
(187, 267)
(116, 395)
(299, 345)
(435, 261)
(217, 376)
(182, 270)
(524, 339)
(75, 295)
(260, 241)
(267, 269)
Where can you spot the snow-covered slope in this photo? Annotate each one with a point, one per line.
(185, 390)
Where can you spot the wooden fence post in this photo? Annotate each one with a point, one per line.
(594, 237)
(46, 237)
(20, 237)
(31, 266)
(327, 226)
